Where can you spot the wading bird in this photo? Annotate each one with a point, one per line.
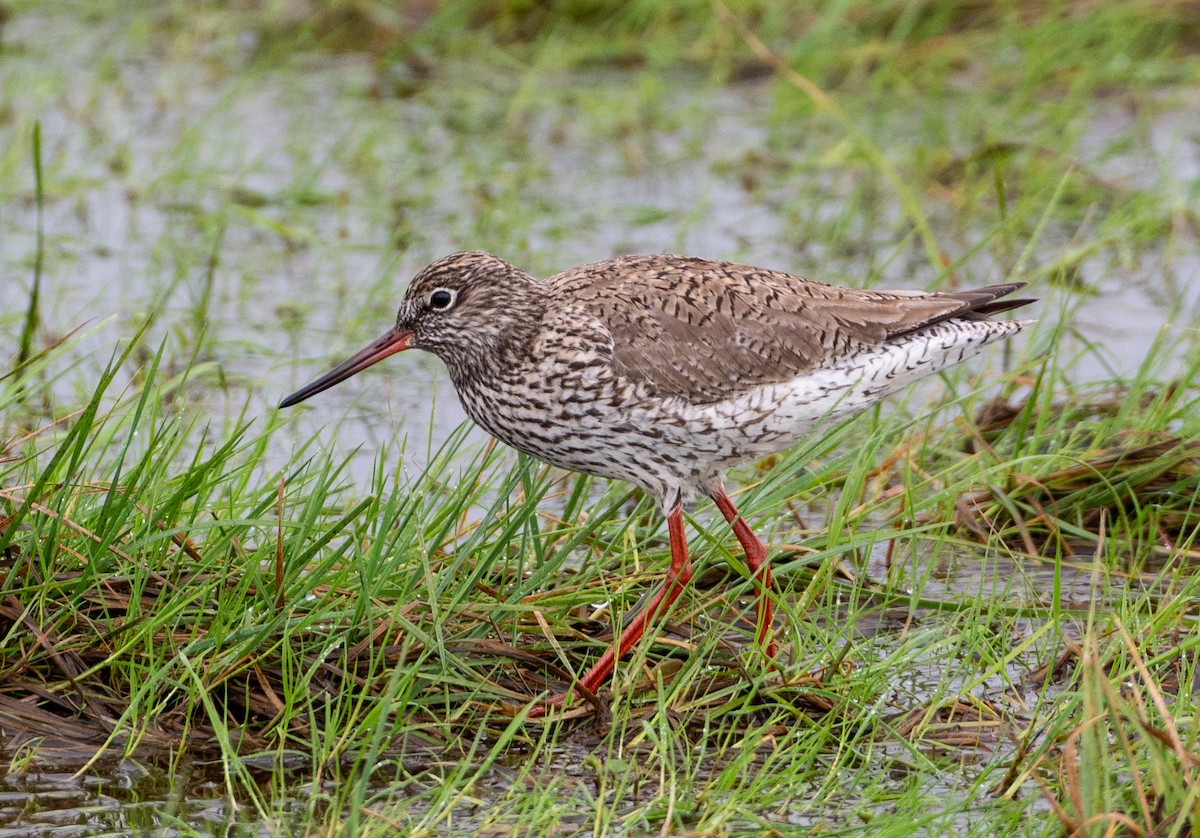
(666, 370)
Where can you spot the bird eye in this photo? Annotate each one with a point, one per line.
(441, 299)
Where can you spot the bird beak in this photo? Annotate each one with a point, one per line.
(394, 341)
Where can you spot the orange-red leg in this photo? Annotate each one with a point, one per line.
(756, 560)
(678, 576)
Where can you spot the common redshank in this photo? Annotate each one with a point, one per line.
(666, 370)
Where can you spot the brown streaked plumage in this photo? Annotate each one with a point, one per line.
(666, 370)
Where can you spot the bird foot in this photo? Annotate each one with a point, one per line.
(541, 708)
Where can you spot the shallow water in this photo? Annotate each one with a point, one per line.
(271, 218)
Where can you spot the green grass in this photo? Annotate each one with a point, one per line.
(376, 638)
(988, 596)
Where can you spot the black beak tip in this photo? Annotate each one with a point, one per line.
(294, 398)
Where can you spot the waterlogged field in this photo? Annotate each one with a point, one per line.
(217, 618)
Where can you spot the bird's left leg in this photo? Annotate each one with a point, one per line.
(756, 560)
(678, 576)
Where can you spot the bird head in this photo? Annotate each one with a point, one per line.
(466, 308)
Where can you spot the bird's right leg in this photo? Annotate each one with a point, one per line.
(678, 576)
(756, 561)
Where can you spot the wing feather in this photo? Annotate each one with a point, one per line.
(706, 331)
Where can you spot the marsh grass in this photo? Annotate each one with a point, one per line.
(172, 602)
(988, 597)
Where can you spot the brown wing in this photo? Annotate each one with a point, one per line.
(707, 330)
